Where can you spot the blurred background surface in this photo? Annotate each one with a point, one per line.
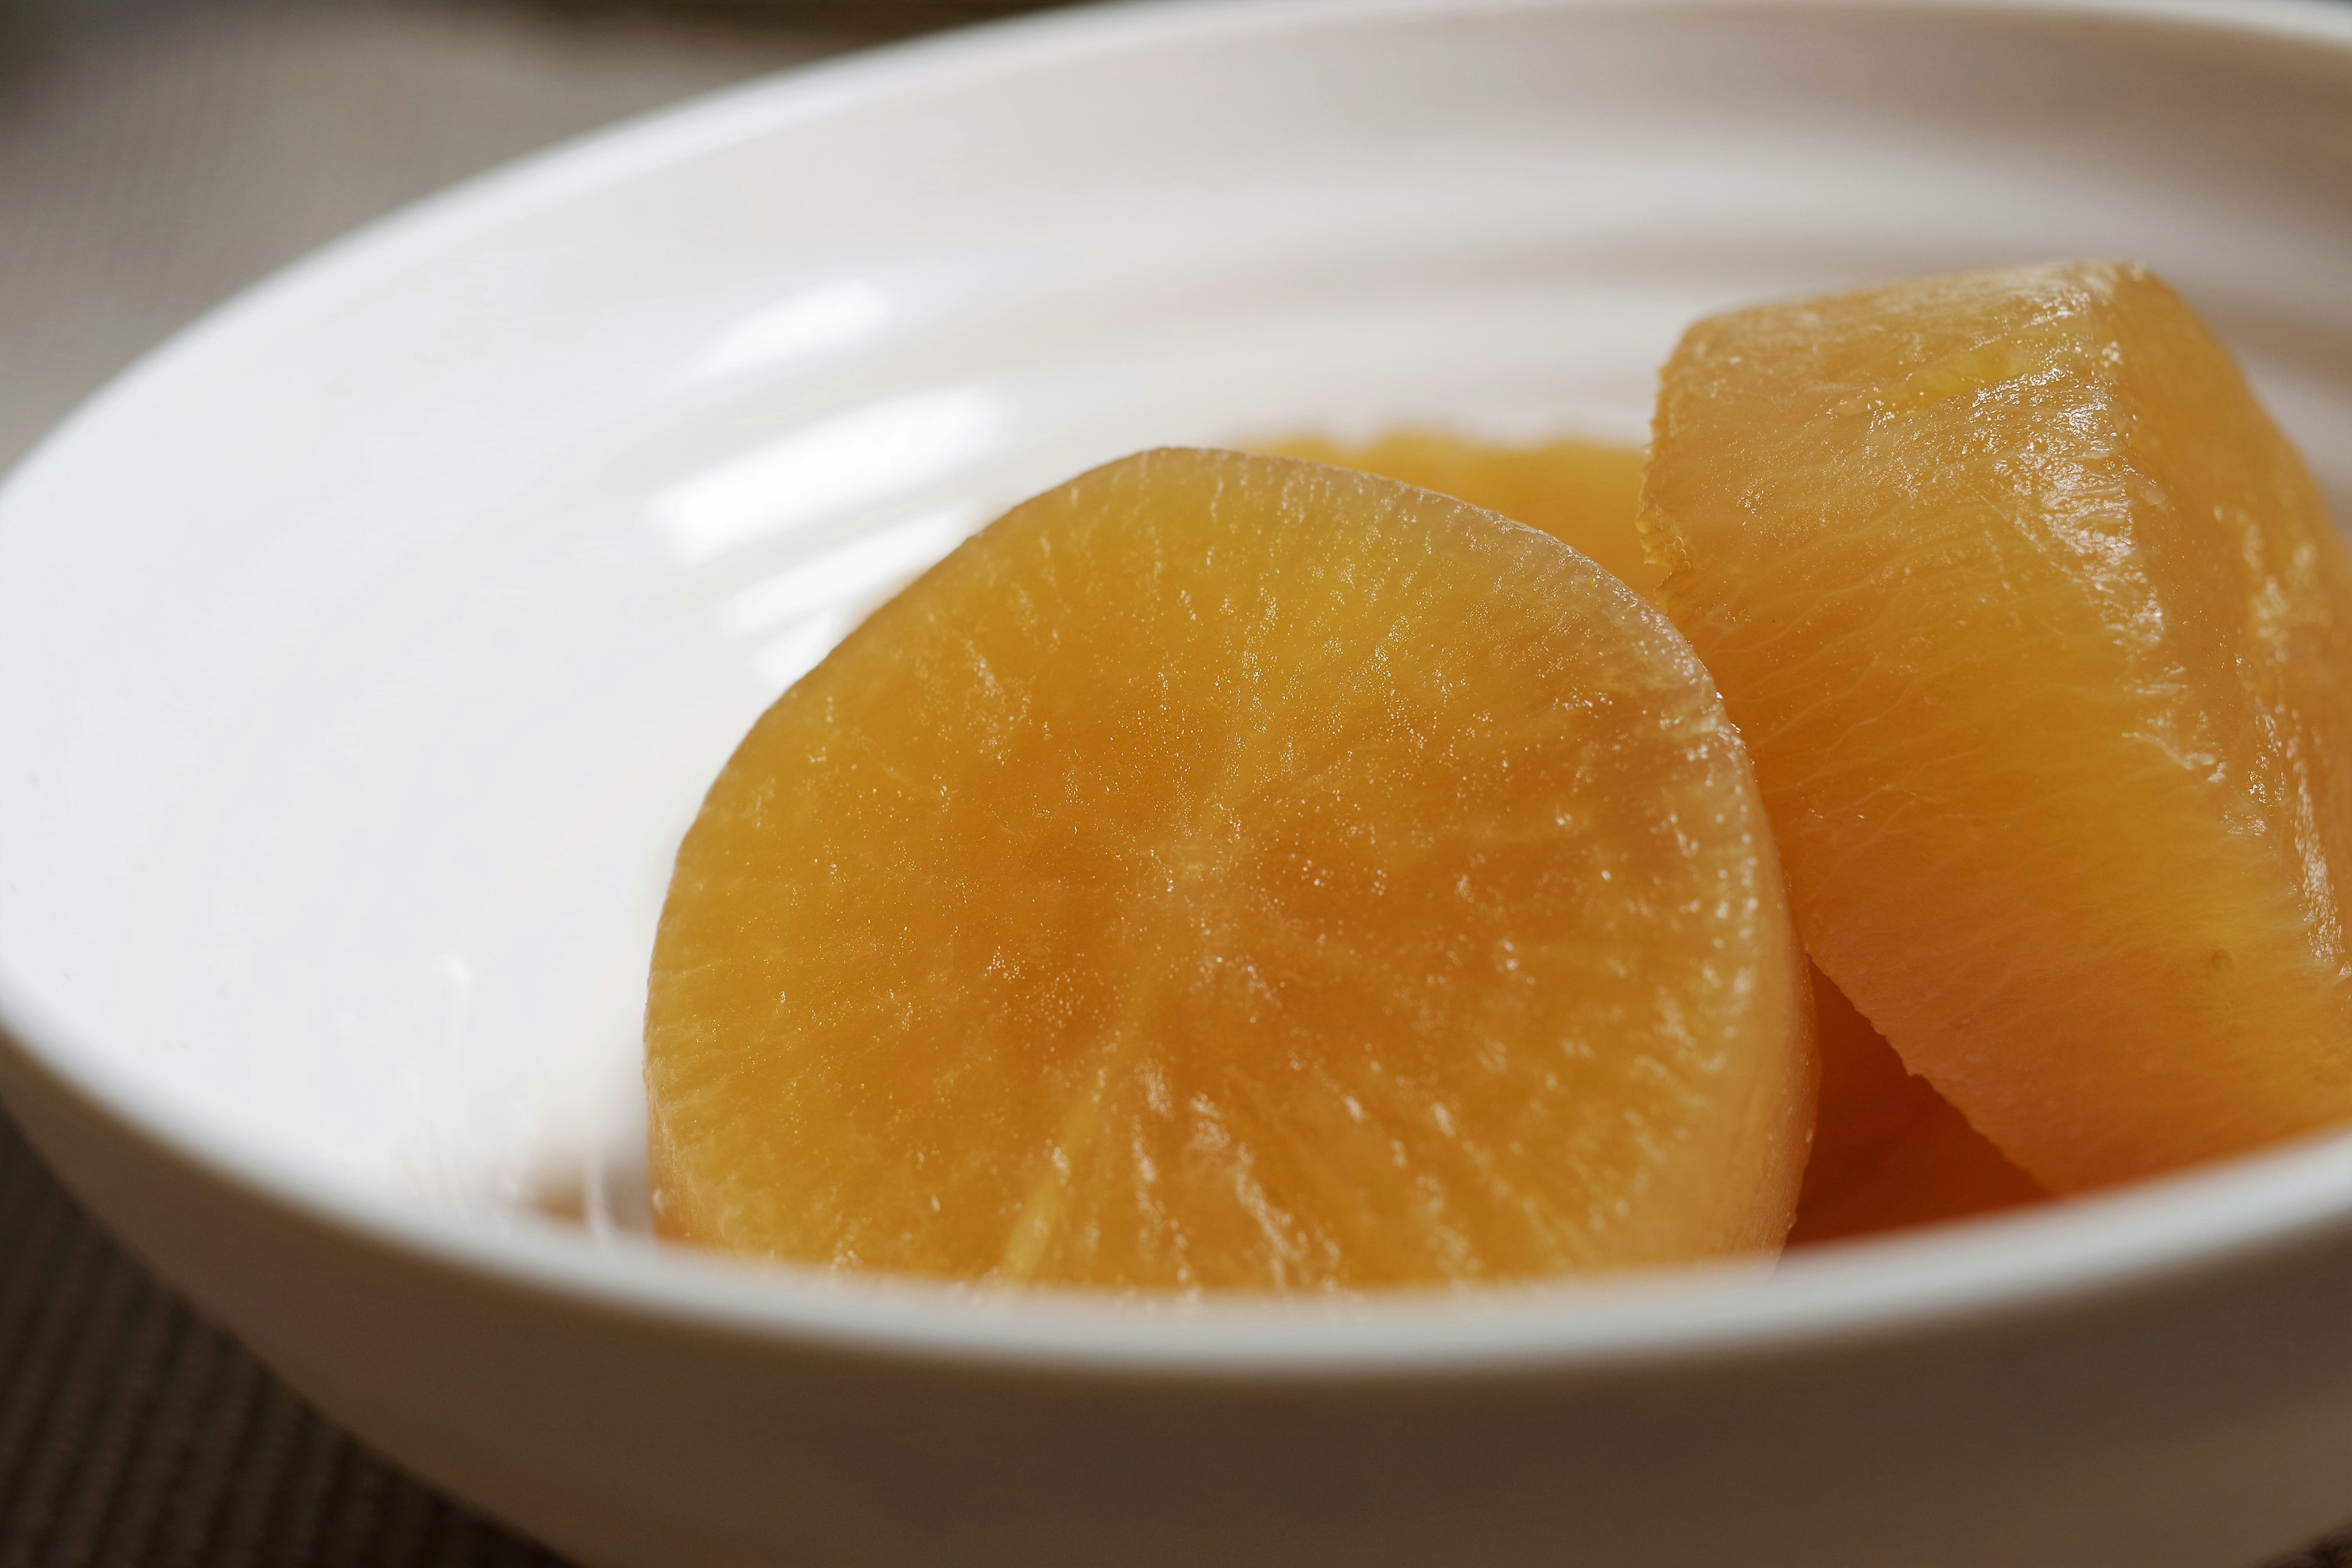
(155, 157)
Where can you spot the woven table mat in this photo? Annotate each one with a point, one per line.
(133, 1436)
(147, 171)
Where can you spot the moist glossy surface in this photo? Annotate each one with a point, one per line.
(1888, 1151)
(1227, 872)
(1583, 493)
(2038, 633)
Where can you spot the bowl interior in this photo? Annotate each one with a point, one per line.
(363, 654)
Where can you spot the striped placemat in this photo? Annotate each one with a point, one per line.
(134, 1435)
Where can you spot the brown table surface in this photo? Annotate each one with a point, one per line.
(150, 165)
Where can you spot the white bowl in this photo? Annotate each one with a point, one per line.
(364, 653)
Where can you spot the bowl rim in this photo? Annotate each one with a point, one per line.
(1967, 1274)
